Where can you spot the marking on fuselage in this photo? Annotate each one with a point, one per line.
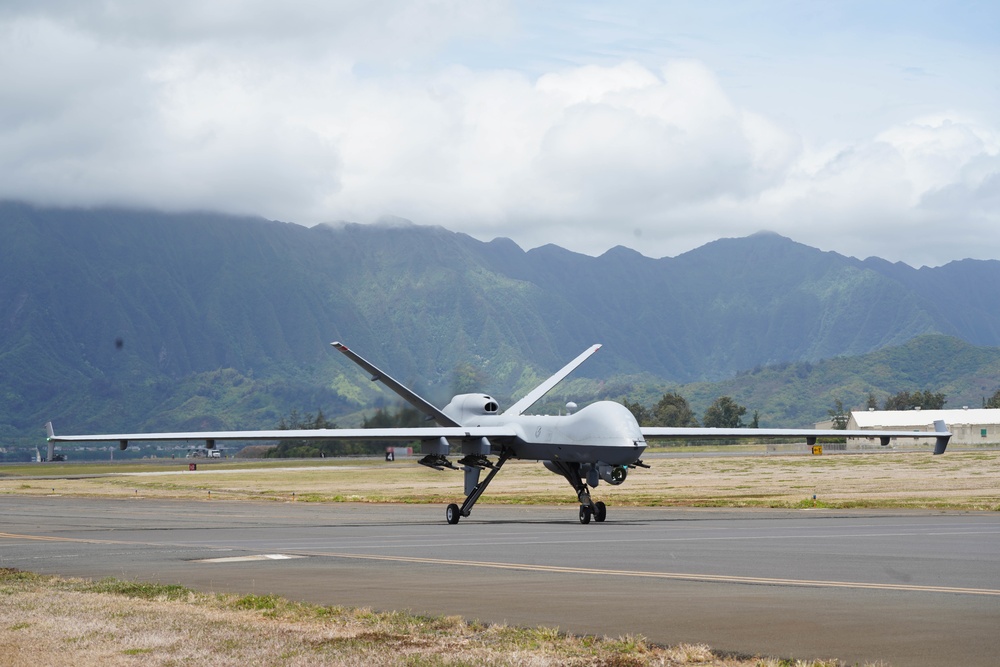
(677, 576)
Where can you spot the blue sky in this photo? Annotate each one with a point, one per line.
(832, 68)
(868, 128)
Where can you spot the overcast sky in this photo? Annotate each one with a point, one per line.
(868, 128)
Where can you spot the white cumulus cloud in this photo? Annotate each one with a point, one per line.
(326, 111)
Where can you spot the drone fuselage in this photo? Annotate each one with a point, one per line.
(604, 432)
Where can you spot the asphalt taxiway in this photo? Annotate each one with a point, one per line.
(910, 588)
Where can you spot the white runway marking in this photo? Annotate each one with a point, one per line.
(242, 559)
(767, 581)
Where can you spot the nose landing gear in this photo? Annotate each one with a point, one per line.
(453, 512)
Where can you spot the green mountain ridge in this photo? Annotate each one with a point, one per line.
(227, 321)
(802, 392)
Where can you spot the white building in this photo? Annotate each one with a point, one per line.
(979, 426)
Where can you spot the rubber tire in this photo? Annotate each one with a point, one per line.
(600, 512)
(585, 513)
(452, 514)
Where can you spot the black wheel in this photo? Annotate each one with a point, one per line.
(585, 513)
(600, 511)
(452, 514)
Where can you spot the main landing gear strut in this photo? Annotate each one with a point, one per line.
(589, 509)
(454, 512)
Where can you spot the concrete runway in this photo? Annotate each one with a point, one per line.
(910, 588)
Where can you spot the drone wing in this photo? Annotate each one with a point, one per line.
(940, 434)
(210, 437)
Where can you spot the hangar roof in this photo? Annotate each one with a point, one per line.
(901, 418)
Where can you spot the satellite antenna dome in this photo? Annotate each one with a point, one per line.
(571, 407)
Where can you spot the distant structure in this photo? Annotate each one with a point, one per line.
(980, 426)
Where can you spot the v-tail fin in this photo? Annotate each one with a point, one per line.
(522, 405)
(407, 394)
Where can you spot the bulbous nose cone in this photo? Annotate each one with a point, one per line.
(608, 424)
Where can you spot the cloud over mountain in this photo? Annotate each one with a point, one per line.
(331, 111)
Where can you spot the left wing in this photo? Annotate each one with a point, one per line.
(940, 434)
(404, 434)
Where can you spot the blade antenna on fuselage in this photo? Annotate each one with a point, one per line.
(405, 393)
(521, 406)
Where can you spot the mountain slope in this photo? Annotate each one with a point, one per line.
(801, 393)
(240, 313)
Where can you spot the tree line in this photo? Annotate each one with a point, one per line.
(904, 400)
(305, 448)
(993, 402)
(673, 410)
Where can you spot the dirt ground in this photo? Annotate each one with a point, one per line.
(957, 480)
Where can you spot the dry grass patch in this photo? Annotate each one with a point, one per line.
(958, 480)
(78, 623)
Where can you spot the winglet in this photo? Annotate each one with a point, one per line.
(941, 442)
(49, 431)
(544, 388)
(405, 393)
